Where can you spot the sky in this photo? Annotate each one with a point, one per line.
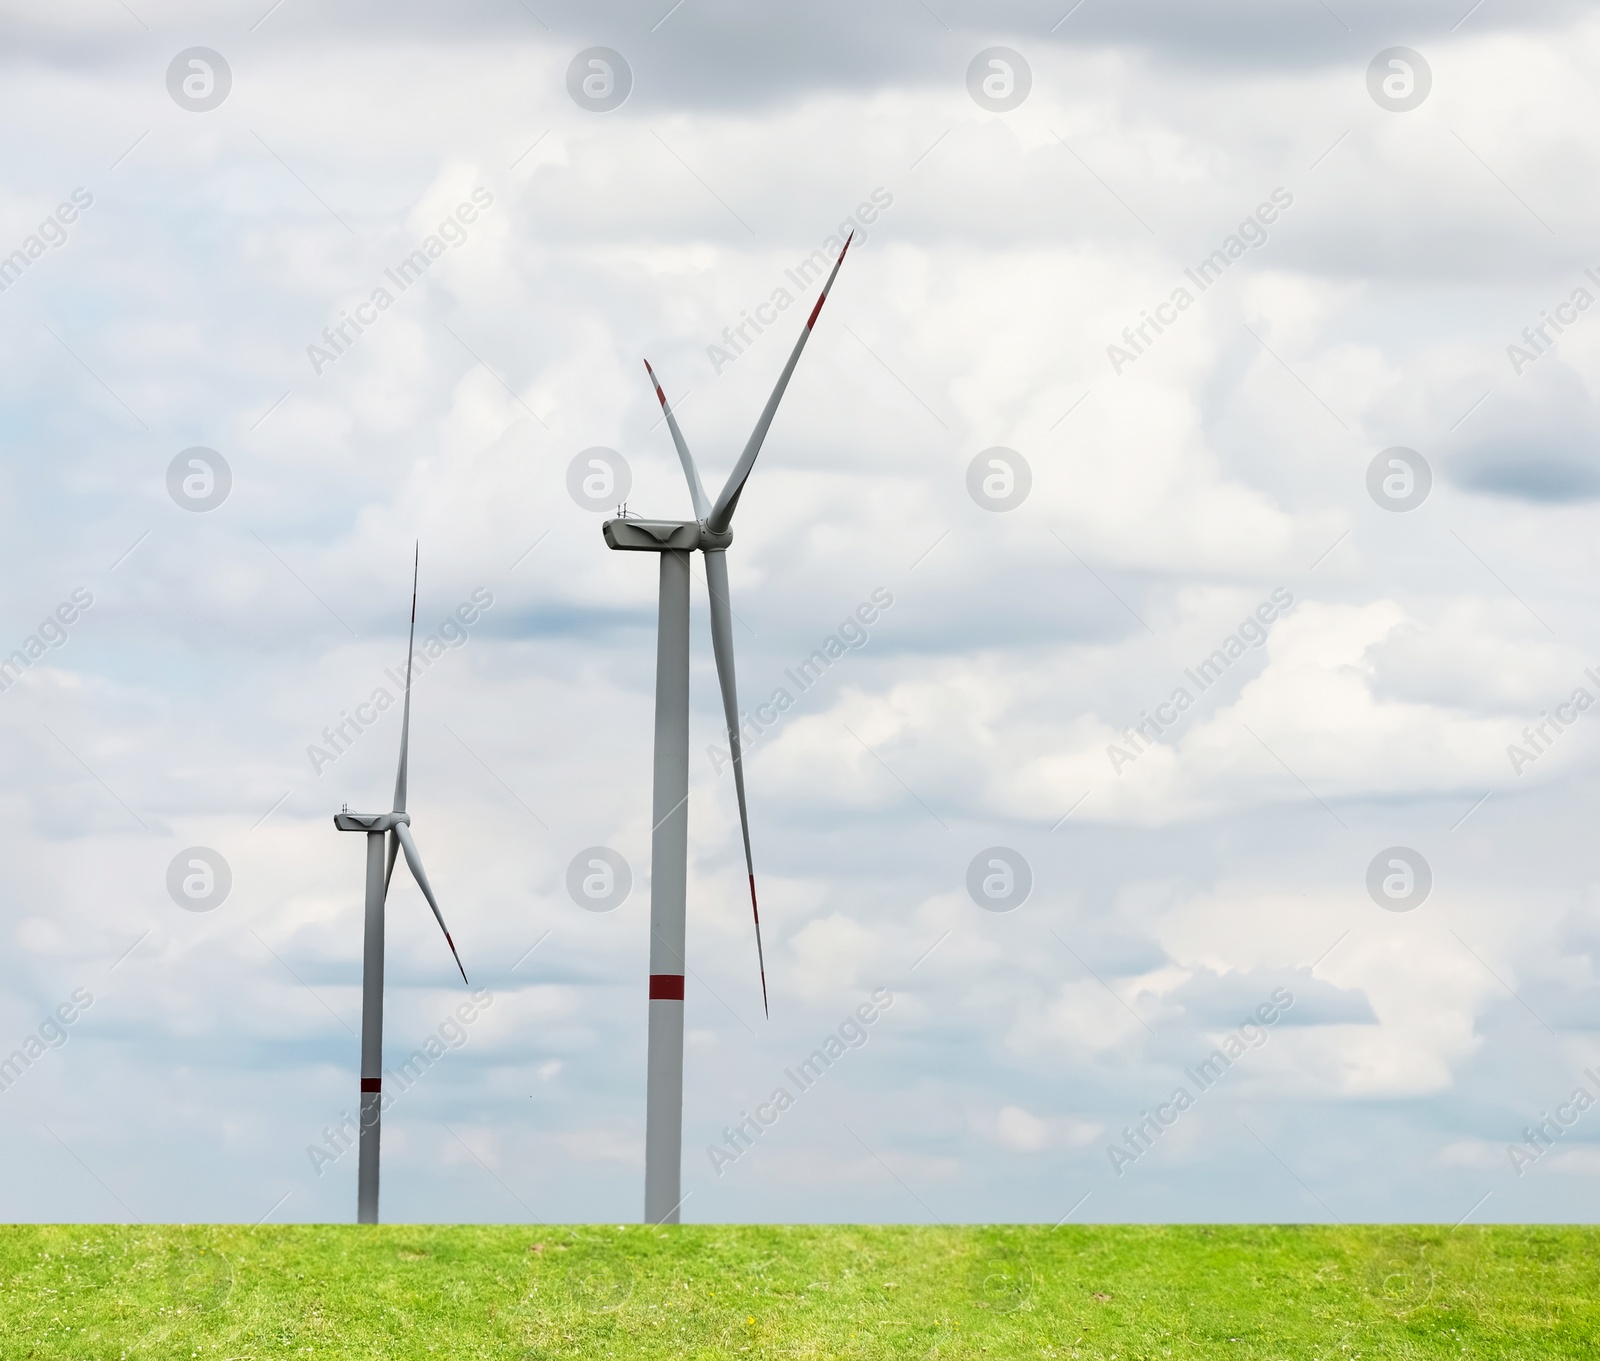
(1190, 485)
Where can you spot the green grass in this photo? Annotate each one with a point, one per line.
(99, 1293)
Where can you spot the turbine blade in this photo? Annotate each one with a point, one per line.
(388, 873)
(697, 493)
(405, 721)
(722, 645)
(722, 513)
(403, 835)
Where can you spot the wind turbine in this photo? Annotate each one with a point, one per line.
(396, 828)
(710, 532)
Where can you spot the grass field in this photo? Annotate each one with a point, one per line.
(103, 1293)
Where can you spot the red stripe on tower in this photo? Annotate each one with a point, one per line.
(372, 1084)
(666, 987)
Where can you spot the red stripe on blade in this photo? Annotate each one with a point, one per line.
(372, 1084)
(666, 987)
(653, 383)
(812, 319)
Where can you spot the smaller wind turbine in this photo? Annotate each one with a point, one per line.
(396, 826)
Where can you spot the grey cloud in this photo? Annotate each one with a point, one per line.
(1539, 444)
(722, 53)
(1540, 465)
(1228, 999)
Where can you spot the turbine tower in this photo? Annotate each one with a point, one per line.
(710, 532)
(396, 828)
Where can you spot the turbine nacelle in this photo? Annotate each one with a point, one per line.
(369, 822)
(663, 536)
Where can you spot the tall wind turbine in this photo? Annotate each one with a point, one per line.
(710, 532)
(396, 827)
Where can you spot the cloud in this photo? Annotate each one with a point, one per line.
(1223, 1000)
(1019, 1130)
(1169, 502)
